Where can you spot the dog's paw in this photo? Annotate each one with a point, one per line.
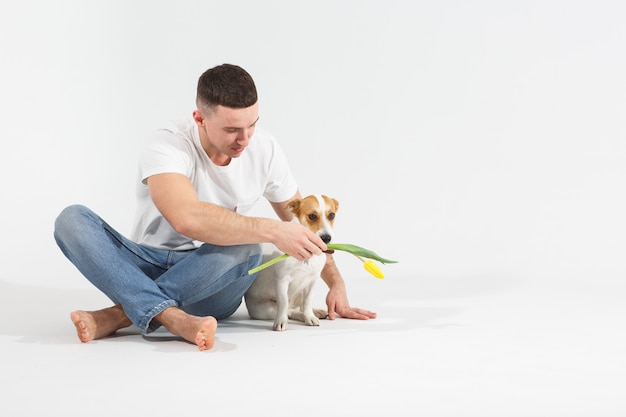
(311, 321)
(320, 314)
(280, 325)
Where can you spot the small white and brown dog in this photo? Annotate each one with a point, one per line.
(284, 290)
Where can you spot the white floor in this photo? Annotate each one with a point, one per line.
(489, 135)
(441, 346)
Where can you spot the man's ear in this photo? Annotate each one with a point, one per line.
(198, 117)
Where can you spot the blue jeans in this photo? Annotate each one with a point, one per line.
(208, 281)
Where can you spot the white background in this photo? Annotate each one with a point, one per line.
(482, 144)
(458, 136)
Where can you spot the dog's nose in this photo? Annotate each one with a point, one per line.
(326, 238)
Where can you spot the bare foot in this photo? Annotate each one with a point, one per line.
(194, 329)
(92, 325)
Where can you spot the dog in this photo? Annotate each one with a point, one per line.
(284, 291)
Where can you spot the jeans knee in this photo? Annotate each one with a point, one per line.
(255, 255)
(256, 249)
(69, 221)
(237, 254)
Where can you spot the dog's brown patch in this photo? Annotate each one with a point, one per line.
(309, 213)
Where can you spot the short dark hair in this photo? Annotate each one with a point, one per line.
(226, 85)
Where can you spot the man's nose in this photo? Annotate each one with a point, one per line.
(244, 137)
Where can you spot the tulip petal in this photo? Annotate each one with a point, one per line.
(373, 269)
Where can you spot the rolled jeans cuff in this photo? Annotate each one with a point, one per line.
(147, 324)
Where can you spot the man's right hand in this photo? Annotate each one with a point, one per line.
(298, 241)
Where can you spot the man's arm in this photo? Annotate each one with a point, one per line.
(281, 209)
(337, 298)
(174, 196)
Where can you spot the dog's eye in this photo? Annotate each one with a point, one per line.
(331, 216)
(313, 217)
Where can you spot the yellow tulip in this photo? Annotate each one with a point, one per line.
(373, 269)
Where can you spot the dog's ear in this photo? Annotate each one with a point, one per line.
(294, 205)
(332, 200)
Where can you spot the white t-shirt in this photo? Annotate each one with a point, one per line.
(261, 171)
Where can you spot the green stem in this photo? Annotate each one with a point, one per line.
(268, 263)
(357, 251)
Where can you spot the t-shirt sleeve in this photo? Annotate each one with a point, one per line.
(281, 184)
(164, 152)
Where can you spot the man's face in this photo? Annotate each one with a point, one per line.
(225, 132)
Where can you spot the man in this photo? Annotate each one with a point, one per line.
(186, 265)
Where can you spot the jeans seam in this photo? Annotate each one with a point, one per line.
(138, 254)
